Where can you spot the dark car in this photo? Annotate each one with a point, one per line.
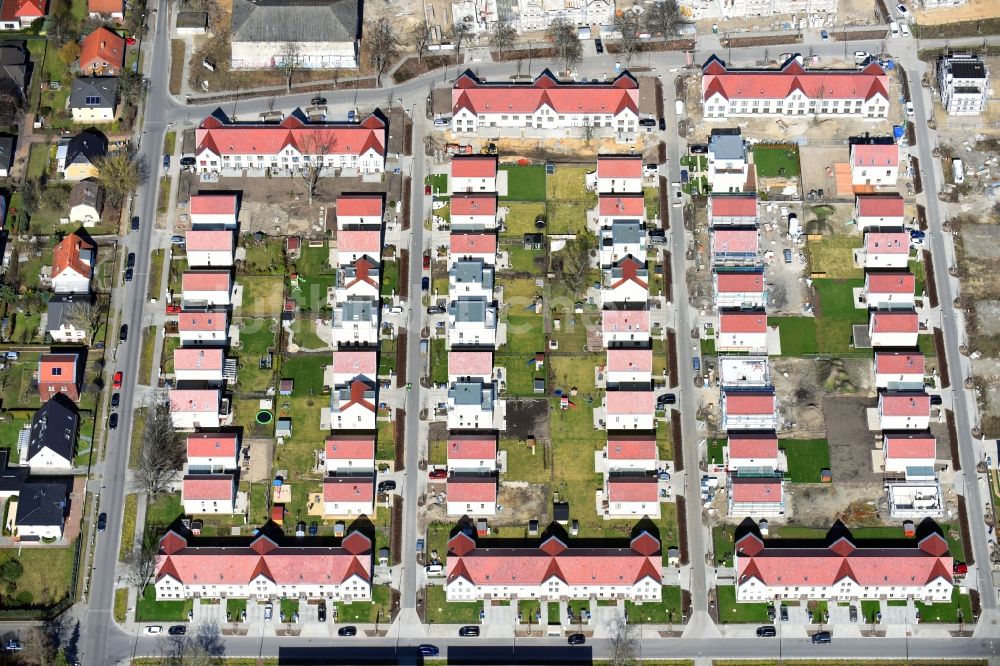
(598, 46)
(767, 631)
(438, 474)
(347, 631)
(854, 613)
(123, 333)
(663, 124)
(113, 421)
(102, 521)
(116, 399)
(321, 612)
(576, 639)
(313, 528)
(435, 309)
(822, 638)
(177, 630)
(470, 630)
(425, 283)
(935, 399)
(428, 650)
(188, 161)
(135, 223)
(129, 274)
(386, 486)
(166, 161)
(784, 613)
(667, 399)
(648, 122)
(318, 101)
(130, 260)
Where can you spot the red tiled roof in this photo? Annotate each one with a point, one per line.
(255, 139)
(875, 155)
(66, 255)
(880, 205)
(473, 243)
(472, 447)
(212, 445)
(632, 447)
(208, 241)
(735, 240)
(470, 363)
(904, 404)
(194, 400)
(206, 281)
(630, 273)
(630, 402)
(897, 282)
(743, 322)
(737, 283)
(910, 446)
(194, 358)
(755, 490)
(201, 321)
(14, 10)
(363, 270)
(887, 242)
(102, 46)
(474, 204)
(899, 363)
(472, 489)
(349, 489)
(619, 166)
(625, 321)
(779, 84)
(740, 205)
(350, 447)
(359, 205)
(546, 90)
(358, 389)
(753, 446)
(213, 204)
(554, 559)
(633, 489)
(368, 242)
(621, 205)
(747, 404)
(627, 360)
(65, 363)
(473, 167)
(106, 6)
(207, 487)
(895, 322)
(825, 566)
(355, 362)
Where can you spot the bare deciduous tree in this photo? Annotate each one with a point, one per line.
(663, 18)
(382, 47)
(627, 24)
(502, 37)
(161, 453)
(587, 130)
(461, 33)
(576, 261)
(566, 42)
(139, 564)
(120, 173)
(421, 36)
(289, 62)
(623, 647)
(318, 146)
(88, 316)
(205, 648)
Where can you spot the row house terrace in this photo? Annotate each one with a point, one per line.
(617, 174)
(210, 249)
(742, 331)
(350, 453)
(749, 410)
(201, 328)
(879, 211)
(885, 249)
(471, 495)
(734, 248)
(212, 452)
(890, 328)
(474, 211)
(348, 496)
(903, 370)
(626, 283)
(349, 365)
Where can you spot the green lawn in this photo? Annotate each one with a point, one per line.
(521, 218)
(38, 159)
(837, 314)
(266, 257)
(439, 361)
(708, 347)
(262, 295)
(723, 546)
(530, 611)
(920, 276)
(366, 612)
(439, 611)
(46, 578)
(869, 608)
(150, 610)
(438, 183)
(524, 183)
(524, 261)
(775, 161)
(835, 257)
(155, 273)
(716, 451)
(960, 607)
(390, 278)
(523, 464)
(121, 605)
(161, 513)
(288, 608)
(731, 612)
(667, 610)
(306, 370)
(385, 443)
(819, 610)
(128, 525)
(256, 337)
(798, 335)
(304, 335)
(806, 458)
(567, 217)
(387, 357)
(235, 608)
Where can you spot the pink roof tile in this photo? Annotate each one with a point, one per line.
(201, 321)
(349, 489)
(629, 360)
(212, 445)
(905, 404)
(368, 242)
(209, 241)
(625, 321)
(355, 362)
(743, 322)
(350, 447)
(194, 400)
(755, 490)
(887, 242)
(880, 205)
(753, 446)
(738, 283)
(472, 447)
(631, 447)
(621, 205)
(899, 363)
(474, 167)
(779, 84)
(472, 490)
(473, 243)
(359, 205)
(748, 404)
(206, 281)
(733, 206)
(875, 155)
(895, 322)
(910, 446)
(474, 204)
(256, 139)
(546, 90)
(633, 489)
(193, 358)
(630, 402)
(470, 363)
(897, 282)
(207, 487)
(619, 166)
(735, 240)
(213, 204)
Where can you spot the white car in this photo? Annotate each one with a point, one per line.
(154, 629)
(268, 612)
(909, 109)
(904, 29)
(893, 29)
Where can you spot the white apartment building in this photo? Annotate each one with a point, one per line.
(755, 497)
(623, 238)
(893, 329)
(209, 249)
(213, 211)
(879, 211)
(732, 210)
(474, 405)
(350, 454)
(619, 174)
(203, 328)
(472, 211)
(472, 452)
(349, 496)
(355, 322)
(631, 453)
(904, 410)
(206, 288)
(199, 364)
(472, 173)
(964, 84)
(213, 451)
(472, 245)
(629, 410)
(471, 495)
(352, 407)
(742, 331)
(629, 366)
(885, 249)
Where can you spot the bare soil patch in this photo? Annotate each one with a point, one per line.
(850, 440)
(527, 418)
(816, 505)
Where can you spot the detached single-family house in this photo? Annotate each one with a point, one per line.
(899, 370)
(473, 405)
(350, 365)
(324, 33)
(890, 328)
(886, 249)
(357, 211)
(626, 283)
(756, 497)
(94, 99)
(60, 373)
(890, 289)
(102, 53)
(740, 290)
(749, 410)
(471, 278)
(203, 328)
(472, 452)
(206, 288)
(879, 211)
(875, 163)
(752, 452)
(732, 210)
(353, 244)
(208, 493)
(630, 410)
(86, 203)
(622, 239)
(629, 496)
(61, 325)
(728, 168)
(52, 442)
(474, 246)
(113, 9)
(472, 321)
(474, 211)
(41, 511)
(619, 174)
(909, 451)
(360, 279)
(213, 451)
(904, 410)
(471, 495)
(633, 452)
(349, 496)
(352, 407)
(742, 331)
(474, 173)
(629, 366)
(213, 211)
(192, 409)
(625, 327)
(72, 265)
(611, 207)
(199, 364)
(209, 249)
(82, 153)
(20, 14)
(470, 365)
(350, 453)
(735, 247)
(355, 322)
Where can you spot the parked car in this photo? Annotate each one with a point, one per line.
(576, 639)
(470, 630)
(12, 645)
(135, 223)
(425, 283)
(426, 650)
(173, 309)
(177, 630)
(318, 101)
(667, 399)
(767, 631)
(321, 611)
(130, 260)
(903, 11)
(904, 29)
(116, 399)
(188, 161)
(784, 613)
(438, 474)
(647, 122)
(154, 629)
(123, 333)
(386, 486)
(598, 46)
(268, 612)
(788, 255)
(113, 421)
(116, 381)
(440, 122)
(663, 124)
(166, 161)
(936, 399)
(435, 309)
(129, 273)
(824, 35)
(347, 631)
(177, 240)
(313, 528)
(822, 638)
(909, 109)
(853, 612)
(427, 261)
(102, 521)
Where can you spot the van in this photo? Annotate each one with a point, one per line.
(958, 171)
(434, 569)
(894, 29)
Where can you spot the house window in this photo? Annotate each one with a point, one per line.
(56, 372)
